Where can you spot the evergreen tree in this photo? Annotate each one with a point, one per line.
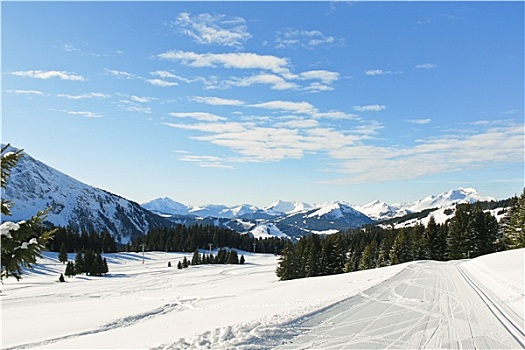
(242, 260)
(233, 258)
(196, 259)
(457, 245)
(20, 242)
(61, 278)
(288, 267)
(79, 264)
(179, 265)
(399, 252)
(432, 236)
(514, 228)
(105, 268)
(70, 269)
(62, 255)
(185, 262)
(89, 258)
(169, 263)
(369, 258)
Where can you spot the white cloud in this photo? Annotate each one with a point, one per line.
(142, 99)
(309, 39)
(216, 101)
(487, 148)
(85, 96)
(217, 29)
(25, 92)
(418, 121)
(201, 116)
(326, 77)
(373, 72)
(40, 74)
(426, 66)
(334, 115)
(161, 83)
(370, 108)
(294, 107)
(86, 114)
(276, 82)
(120, 74)
(242, 60)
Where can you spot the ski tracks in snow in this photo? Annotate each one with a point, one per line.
(427, 305)
(115, 324)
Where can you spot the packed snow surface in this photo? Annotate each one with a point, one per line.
(426, 304)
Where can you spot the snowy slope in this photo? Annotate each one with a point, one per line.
(424, 304)
(34, 186)
(379, 210)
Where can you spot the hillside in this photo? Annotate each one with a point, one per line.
(34, 186)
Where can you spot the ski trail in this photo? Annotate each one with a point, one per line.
(118, 323)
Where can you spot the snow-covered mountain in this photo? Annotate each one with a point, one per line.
(35, 186)
(379, 210)
(283, 207)
(166, 206)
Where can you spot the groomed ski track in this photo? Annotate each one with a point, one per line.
(428, 305)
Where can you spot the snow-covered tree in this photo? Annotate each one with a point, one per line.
(21, 242)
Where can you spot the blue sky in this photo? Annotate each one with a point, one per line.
(250, 102)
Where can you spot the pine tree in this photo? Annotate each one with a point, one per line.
(79, 264)
(458, 233)
(288, 267)
(233, 258)
(169, 263)
(242, 260)
(20, 242)
(179, 265)
(62, 255)
(185, 262)
(61, 278)
(105, 268)
(432, 237)
(70, 269)
(196, 259)
(514, 228)
(369, 257)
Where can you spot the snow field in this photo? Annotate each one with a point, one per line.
(150, 305)
(426, 304)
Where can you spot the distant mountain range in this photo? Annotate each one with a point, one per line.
(295, 219)
(34, 186)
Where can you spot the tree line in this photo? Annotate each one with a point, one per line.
(471, 232)
(190, 238)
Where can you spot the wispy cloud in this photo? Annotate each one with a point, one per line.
(418, 121)
(216, 101)
(201, 116)
(213, 29)
(490, 147)
(86, 114)
(309, 39)
(373, 72)
(240, 60)
(161, 83)
(207, 161)
(426, 66)
(85, 96)
(120, 74)
(142, 99)
(25, 92)
(370, 108)
(289, 106)
(41, 74)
